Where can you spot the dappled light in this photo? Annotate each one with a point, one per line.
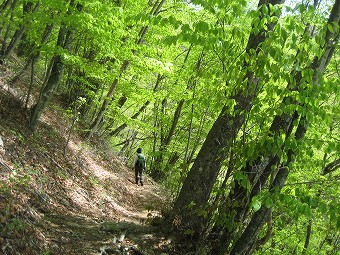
(194, 127)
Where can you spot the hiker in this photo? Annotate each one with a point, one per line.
(139, 164)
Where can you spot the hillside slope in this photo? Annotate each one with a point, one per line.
(81, 202)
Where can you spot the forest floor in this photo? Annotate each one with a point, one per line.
(79, 201)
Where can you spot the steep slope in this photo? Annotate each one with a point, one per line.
(83, 201)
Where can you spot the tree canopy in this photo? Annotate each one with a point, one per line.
(235, 104)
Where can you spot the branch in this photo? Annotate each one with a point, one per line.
(269, 232)
(331, 167)
(336, 178)
(130, 139)
(7, 167)
(55, 162)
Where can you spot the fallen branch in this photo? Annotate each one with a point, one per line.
(55, 162)
(8, 169)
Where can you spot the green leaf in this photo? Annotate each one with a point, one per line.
(307, 211)
(336, 26)
(256, 204)
(173, 21)
(330, 28)
(269, 202)
(170, 40)
(185, 28)
(284, 35)
(332, 214)
(202, 26)
(189, 232)
(294, 38)
(192, 204)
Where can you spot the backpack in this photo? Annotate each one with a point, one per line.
(140, 163)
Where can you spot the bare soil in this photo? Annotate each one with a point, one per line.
(83, 201)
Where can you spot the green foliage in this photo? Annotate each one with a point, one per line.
(93, 181)
(199, 51)
(243, 180)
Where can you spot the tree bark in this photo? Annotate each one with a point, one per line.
(239, 198)
(3, 45)
(65, 37)
(216, 146)
(308, 235)
(331, 167)
(19, 32)
(245, 243)
(32, 60)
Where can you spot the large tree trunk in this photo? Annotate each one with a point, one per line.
(239, 199)
(202, 176)
(53, 78)
(65, 38)
(246, 242)
(46, 92)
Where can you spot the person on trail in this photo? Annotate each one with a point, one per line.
(139, 164)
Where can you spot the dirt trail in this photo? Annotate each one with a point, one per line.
(81, 202)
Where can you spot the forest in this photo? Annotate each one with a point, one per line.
(236, 105)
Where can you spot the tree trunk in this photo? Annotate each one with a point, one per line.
(4, 5)
(123, 99)
(237, 203)
(8, 27)
(158, 173)
(197, 139)
(135, 116)
(19, 32)
(331, 167)
(46, 92)
(269, 232)
(186, 155)
(30, 89)
(32, 60)
(245, 243)
(308, 235)
(202, 176)
(65, 38)
(94, 126)
(53, 80)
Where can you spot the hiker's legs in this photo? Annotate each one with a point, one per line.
(136, 175)
(141, 176)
